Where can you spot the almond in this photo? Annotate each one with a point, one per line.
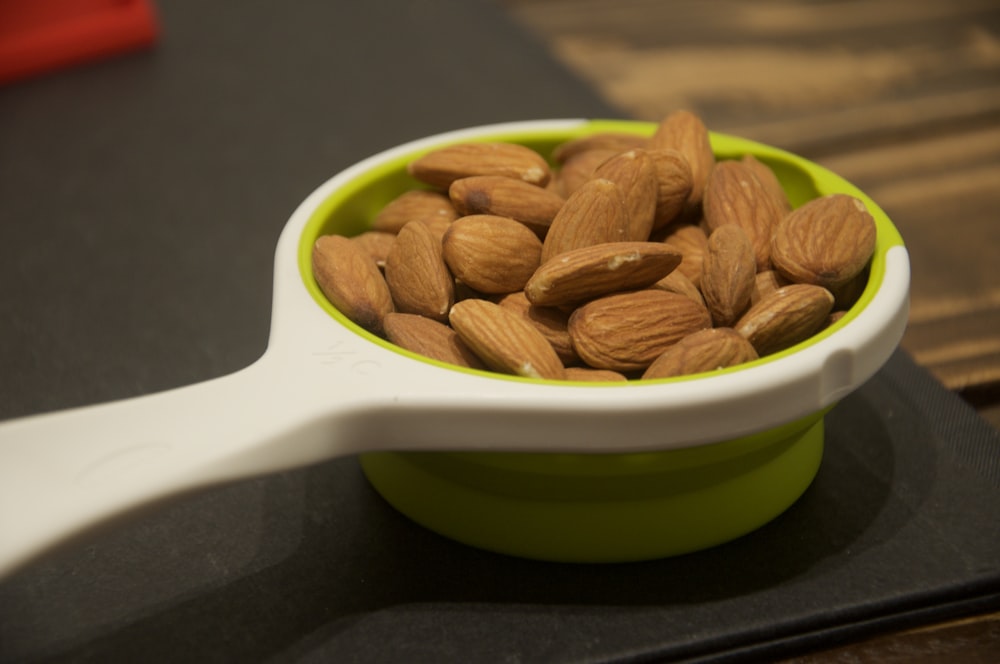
(627, 331)
(376, 243)
(727, 277)
(550, 321)
(579, 169)
(595, 213)
(674, 183)
(692, 242)
(702, 351)
(349, 278)
(772, 185)
(765, 283)
(827, 242)
(589, 375)
(734, 195)
(676, 282)
(491, 254)
(635, 174)
(411, 205)
(529, 204)
(416, 273)
(685, 132)
(601, 269)
(789, 315)
(612, 141)
(430, 338)
(504, 341)
(441, 167)
(846, 295)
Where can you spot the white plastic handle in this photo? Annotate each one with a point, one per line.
(64, 472)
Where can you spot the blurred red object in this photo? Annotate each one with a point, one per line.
(37, 36)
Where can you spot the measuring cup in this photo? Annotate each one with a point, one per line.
(535, 468)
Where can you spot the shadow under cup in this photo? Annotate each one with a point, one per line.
(595, 507)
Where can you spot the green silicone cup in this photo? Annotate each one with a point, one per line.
(598, 508)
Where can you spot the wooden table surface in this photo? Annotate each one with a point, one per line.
(901, 97)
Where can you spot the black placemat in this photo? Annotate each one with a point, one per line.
(140, 200)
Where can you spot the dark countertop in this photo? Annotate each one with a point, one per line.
(140, 201)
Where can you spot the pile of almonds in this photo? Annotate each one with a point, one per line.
(618, 257)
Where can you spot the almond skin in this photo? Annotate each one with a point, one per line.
(692, 242)
(589, 375)
(685, 132)
(789, 315)
(411, 205)
(376, 243)
(439, 168)
(627, 331)
(676, 282)
(674, 183)
(705, 350)
(772, 185)
(765, 283)
(734, 195)
(418, 278)
(349, 278)
(594, 214)
(551, 322)
(430, 338)
(504, 341)
(727, 277)
(635, 174)
(827, 242)
(491, 254)
(612, 141)
(579, 169)
(601, 269)
(529, 204)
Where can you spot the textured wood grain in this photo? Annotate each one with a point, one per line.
(902, 97)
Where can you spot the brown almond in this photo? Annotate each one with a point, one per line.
(491, 254)
(430, 338)
(734, 195)
(765, 283)
(685, 132)
(533, 206)
(411, 205)
(676, 282)
(441, 167)
(613, 141)
(674, 183)
(590, 375)
(846, 295)
(627, 331)
(635, 174)
(595, 213)
(827, 242)
(590, 272)
(550, 321)
(692, 242)
(579, 169)
(437, 226)
(772, 185)
(504, 341)
(416, 273)
(702, 351)
(349, 278)
(376, 243)
(786, 317)
(727, 276)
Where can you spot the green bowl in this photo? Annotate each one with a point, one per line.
(601, 507)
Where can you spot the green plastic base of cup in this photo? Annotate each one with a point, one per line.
(603, 508)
